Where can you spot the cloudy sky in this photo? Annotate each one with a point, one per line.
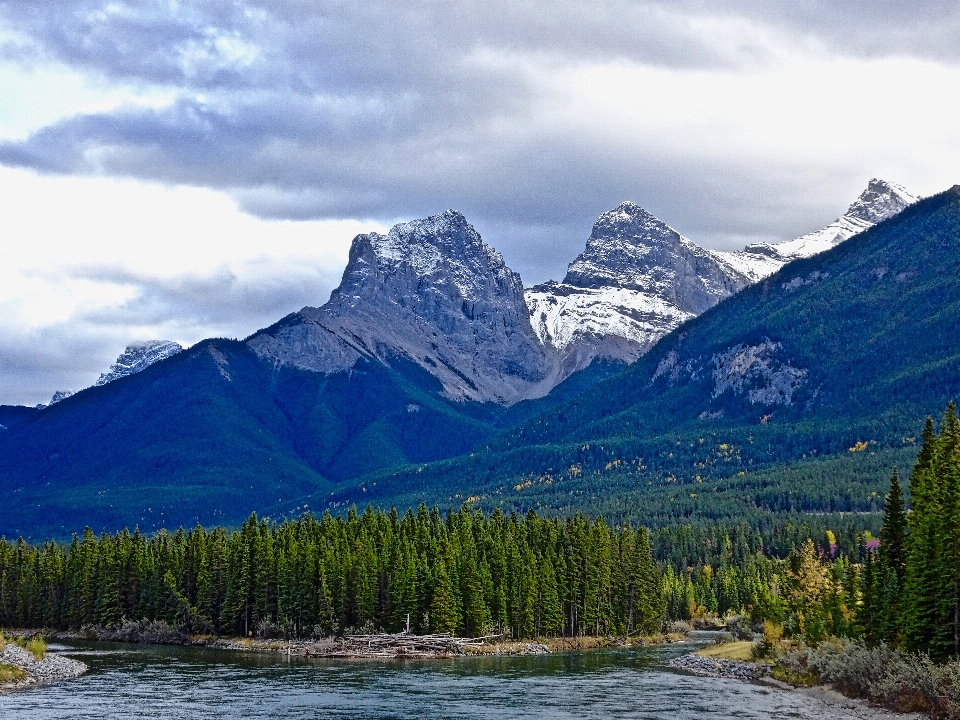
(185, 169)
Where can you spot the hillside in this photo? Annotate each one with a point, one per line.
(841, 355)
(213, 432)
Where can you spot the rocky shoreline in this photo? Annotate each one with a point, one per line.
(51, 668)
(752, 672)
(719, 667)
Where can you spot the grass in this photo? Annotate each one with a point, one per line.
(9, 673)
(3, 643)
(729, 651)
(36, 646)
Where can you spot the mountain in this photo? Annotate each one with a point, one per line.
(822, 369)
(431, 293)
(58, 396)
(11, 415)
(139, 357)
(880, 201)
(416, 357)
(638, 279)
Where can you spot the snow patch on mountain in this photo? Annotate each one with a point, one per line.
(138, 357)
(636, 280)
(880, 201)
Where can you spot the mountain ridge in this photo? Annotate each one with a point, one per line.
(639, 279)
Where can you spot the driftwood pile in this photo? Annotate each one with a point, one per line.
(405, 645)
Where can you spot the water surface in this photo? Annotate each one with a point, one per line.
(138, 681)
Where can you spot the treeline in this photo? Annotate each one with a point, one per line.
(463, 573)
(911, 587)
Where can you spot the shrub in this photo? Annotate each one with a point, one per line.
(887, 676)
(36, 647)
(10, 673)
(772, 632)
(739, 627)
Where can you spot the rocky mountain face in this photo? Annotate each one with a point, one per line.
(431, 293)
(638, 279)
(137, 358)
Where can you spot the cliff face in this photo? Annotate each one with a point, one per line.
(430, 292)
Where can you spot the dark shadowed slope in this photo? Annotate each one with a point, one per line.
(212, 434)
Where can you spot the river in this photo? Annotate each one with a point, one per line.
(155, 682)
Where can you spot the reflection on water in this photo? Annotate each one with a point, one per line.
(177, 683)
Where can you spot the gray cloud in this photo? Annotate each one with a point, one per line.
(387, 110)
(382, 110)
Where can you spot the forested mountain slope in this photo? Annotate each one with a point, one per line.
(839, 355)
(213, 432)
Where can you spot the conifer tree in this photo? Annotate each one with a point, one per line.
(920, 598)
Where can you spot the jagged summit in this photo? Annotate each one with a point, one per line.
(59, 396)
(631, 249)
(880, 201)
(432, 292)
(138, 357)
(636, 280)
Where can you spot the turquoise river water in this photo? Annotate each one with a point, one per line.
(145, 681)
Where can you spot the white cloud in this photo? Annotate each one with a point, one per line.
(108, 262)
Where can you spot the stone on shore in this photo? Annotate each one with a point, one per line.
(53, 666)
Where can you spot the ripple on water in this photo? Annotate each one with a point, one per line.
(131, 682)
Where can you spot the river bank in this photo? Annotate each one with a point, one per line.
(709, 663)
(52, 667)
(347, 646)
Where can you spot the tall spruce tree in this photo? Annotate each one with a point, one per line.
(920, 603)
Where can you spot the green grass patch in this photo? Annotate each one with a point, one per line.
(729, 651)
(10, 673)
(37, 647)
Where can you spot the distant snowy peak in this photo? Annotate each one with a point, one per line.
(880, 201)
(431, 292)
(58, 396)
(139, 357)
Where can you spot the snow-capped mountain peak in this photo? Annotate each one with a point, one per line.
(138, 357)
(880, 201)
(638, 278)
(432, 292)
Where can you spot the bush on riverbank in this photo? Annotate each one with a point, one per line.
(10, 673)
(37, 647)
(901, 681)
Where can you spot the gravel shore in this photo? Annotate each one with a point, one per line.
(52, 667)
(745, 671)
(719, 667)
